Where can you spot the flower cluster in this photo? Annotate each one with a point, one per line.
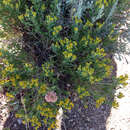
(115, 104)
(122, 79)
(77, 20)
(99, 52)
(43, 89)
(10, 96)
(120, 95)
(86, 71)
(6, 2)
(56, 29)
(100, 101)
(28, 14)
(50, 19)
(67, 47)
(47, 69)
(66, 104)
(82, 92)
(87, 24)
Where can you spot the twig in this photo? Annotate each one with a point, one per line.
(59, 117)
(22, 101)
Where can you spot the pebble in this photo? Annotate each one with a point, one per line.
(19, 121)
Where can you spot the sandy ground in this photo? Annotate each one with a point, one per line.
(3, 110)
(119, 119)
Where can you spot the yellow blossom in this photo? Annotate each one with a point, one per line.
(10, 96)
(21, 17)
(17, 76)
(76, 29)
(83, 38)
(88, 24)
(34, 82)
(115, 104)
(18, 116)
(0, 53)
(23, 84)
(39, 108)
(6, 2)
(43, 7)
(17, 6)
(34, 14)
(99, 102)
(43, 89)
(120, 95)
(74, 57)
(77, 20)
(2, 82)
(12, 79)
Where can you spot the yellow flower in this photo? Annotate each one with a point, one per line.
(17, 6)
(51, 19)
(54, 33)
(12, 79)
(60, 103)
(115, 104)
(98, 39)
(62, 42)
(71, 104)
(59, 27)
(69, 46)
(74, 57)
(42, 89)
(76, 29)
(10, 96)
(120, 95)
(39, 108)
(83, 38)
(26, 14)
(34, 82)
(18, 115)
(75, 43)
(5, 62)
(45, 121)
(56, 45)
(6, 2)
(17, 76)
(2, 82)
(100, 101)
(53, 125)
(105, 2)
(77, 20)
(34, 14)
(9, 68)
(0, 53)
(88, 24)
(43, 7)
(69, 55)
(55, 18)
(21, 17)
(23, 84)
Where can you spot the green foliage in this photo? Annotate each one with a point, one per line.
(73, 47)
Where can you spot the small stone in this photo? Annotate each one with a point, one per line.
(68, 85)
(19, 121)
(15, 125)
(91, 129)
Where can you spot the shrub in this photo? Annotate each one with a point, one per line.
(70, 48)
